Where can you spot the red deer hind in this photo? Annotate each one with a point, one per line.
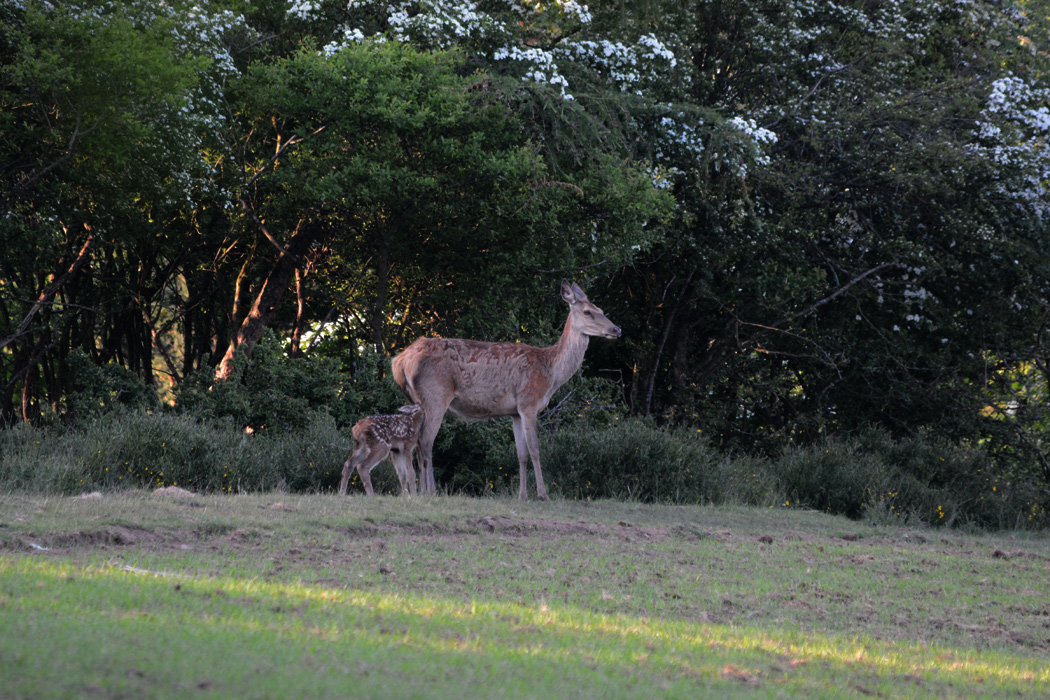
(476, 380)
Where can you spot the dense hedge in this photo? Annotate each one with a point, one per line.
(870, 476)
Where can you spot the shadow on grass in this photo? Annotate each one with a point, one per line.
(67, 630)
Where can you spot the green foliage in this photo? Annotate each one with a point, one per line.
(134, 449)
(428, 193)
(112, 103)
(847, 280)
(271, 391)
(103, 389)
(476, 458)
(632, 459)
(105, 109)
(929, 481)
(871, 477)
(951, 484)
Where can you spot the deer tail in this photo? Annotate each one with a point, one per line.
(401, 378)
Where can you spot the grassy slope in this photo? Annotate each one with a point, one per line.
(272, 596)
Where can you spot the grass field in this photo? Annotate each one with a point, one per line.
(164, 595)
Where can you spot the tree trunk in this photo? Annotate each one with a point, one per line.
(382, 259)
(251, 329)
(300, 313)
(48, 293)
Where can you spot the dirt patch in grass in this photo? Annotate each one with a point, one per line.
(532, 527)
(108, 536)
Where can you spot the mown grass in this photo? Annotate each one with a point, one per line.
(276, 595)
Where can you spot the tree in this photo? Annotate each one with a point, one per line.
(105, 109)
(423, 193)
(860, 197)
(884, 265)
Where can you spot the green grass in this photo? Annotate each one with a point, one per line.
(278, 595)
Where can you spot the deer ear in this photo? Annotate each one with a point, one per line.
(567, 292)
(580, 296)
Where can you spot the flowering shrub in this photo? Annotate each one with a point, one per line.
(537, 43)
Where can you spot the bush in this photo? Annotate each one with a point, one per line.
(98, 389)
(137, 449)
(834, 477)
(588, 452)
(949, 484)
(269, 391)
(906, 481)
(476, 458)
(632, 459)
(368, 391)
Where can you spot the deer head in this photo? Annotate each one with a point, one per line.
(585, 316)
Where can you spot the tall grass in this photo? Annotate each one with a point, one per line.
(137, 449)
(870, 476)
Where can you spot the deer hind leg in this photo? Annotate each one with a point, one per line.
(364, 459)
(348, 467)
(410, 464)
(435, 413)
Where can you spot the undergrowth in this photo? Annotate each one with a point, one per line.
(871, 476)
(283, 423)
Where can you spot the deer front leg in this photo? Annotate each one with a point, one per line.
(521, 445)
(405, 474)
(532, 441)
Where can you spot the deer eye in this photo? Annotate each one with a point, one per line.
(587, 313)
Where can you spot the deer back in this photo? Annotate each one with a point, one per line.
(482, 379)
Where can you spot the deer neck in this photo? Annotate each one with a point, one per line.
(567, 354)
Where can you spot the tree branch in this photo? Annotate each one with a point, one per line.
(248, 208)
(49, 292)
(837, 293)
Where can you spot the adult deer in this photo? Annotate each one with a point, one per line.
(375, 438)
(476, 380)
